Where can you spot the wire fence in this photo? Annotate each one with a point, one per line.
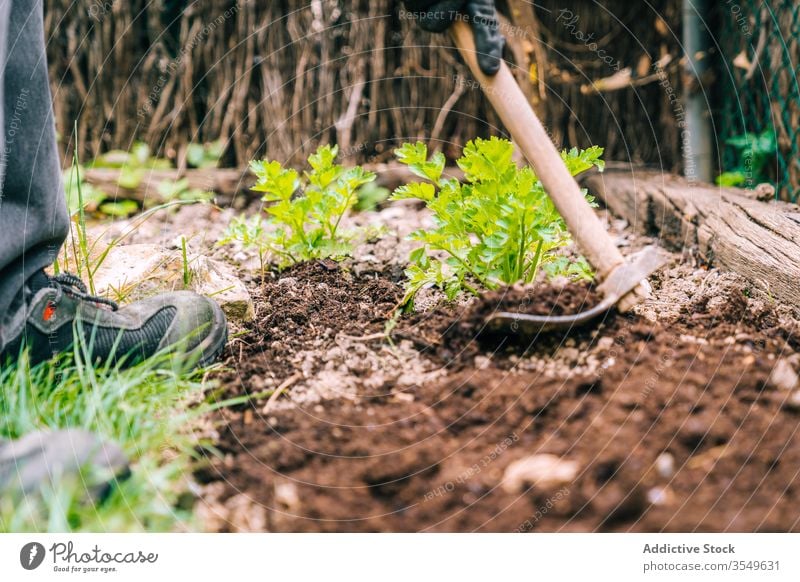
(759, 93)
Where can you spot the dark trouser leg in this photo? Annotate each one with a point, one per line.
(33, 214)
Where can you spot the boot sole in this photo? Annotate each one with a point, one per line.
(212, 346)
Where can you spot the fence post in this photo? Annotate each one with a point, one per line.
(698, 148)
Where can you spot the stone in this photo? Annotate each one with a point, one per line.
(605, 343)
(131, 272)
(660, 496)
(765, 192)
(286, 495)
(783, 376)
(218, 280)
(665, 465)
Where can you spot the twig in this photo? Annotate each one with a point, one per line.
(416, 340)
(445, 111)
(286, 384)
(760, 44)
(345, 123)
(364, 338)
(624, 78)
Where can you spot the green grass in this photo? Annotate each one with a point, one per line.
(187, 273)
(149, 410)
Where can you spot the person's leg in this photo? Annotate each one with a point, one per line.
(46, 315)
(33, 214)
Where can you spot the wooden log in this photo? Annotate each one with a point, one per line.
(225, 181)
(730, 227)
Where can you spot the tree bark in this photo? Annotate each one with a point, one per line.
(728, 226)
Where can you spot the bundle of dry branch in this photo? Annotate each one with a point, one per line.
(278, 78)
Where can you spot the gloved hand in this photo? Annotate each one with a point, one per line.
(438, 15)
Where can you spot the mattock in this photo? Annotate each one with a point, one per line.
(622, 283)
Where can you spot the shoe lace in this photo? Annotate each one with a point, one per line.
(73, 286)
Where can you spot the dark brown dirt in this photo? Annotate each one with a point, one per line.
(676, 429)
(298, 308)
(454, 337)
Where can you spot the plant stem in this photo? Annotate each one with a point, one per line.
(482, 281)
(520, 273)
(81, 214)
(344, 211)
(471, 289)
(186, 274)
(533, 267)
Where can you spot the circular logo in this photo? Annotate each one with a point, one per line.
(31, 555)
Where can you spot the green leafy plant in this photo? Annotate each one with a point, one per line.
(95, 201)
(90, 197)
(370, 196)
(132, 165)
(305, 214)
(754, 152)
(498, 227)
(250, 233)
(138, 157)
(180, 190)
(205, 155)
(120, 209)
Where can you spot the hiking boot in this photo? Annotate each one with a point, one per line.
(43, 460)
(60, 311)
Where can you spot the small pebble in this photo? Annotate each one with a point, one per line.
(286, 495)
(569, 354)
(543, 471)
(665, 465)
(605, 343)
(482, 362)
(403, 397)
(658, 496)
(783, 376)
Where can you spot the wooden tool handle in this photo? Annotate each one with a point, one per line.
(534, 143)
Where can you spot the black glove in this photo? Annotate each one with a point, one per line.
(438, 15)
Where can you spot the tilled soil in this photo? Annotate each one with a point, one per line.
(688, 423)
(303, 308)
